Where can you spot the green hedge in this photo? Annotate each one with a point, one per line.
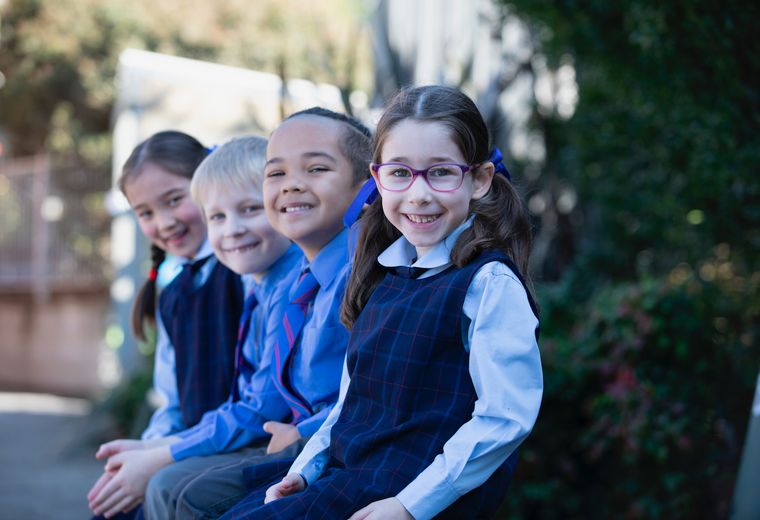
(648, 393)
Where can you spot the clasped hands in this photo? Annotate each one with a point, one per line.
(131, 463)
(129, 466)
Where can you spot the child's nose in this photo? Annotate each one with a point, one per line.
(293, 183)
(234, 227)
(419, 191)
(165, 220)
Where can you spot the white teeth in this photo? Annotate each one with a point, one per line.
(242, 249)
(422, 219)
(296, 208)
(174, 236)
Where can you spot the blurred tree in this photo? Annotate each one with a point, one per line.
(662, 148)
(59, 58)
(650, 337)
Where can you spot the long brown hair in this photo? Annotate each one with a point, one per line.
(177, 153)
(500, 222)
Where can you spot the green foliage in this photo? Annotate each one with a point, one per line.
(59, 58)
(662, 148)
(126, 404)
(648, 388)
(650, 338)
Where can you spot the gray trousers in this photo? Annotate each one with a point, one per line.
(205, 487)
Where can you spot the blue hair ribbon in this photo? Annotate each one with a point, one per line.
(211, 149)
(496, 158)
(367, 195)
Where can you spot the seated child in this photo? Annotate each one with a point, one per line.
(316, 162)
(191, 374)
(443, 377)
(227, 184)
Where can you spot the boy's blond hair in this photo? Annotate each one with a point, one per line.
(237, 165)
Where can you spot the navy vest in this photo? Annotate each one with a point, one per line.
(202, 325)
(410, 386)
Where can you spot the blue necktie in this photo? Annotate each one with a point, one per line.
(292, 322)
(245, 325)
(186, 277)
(408, 272)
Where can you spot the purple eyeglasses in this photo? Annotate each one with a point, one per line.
(443, 177)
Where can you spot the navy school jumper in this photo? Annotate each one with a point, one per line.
(202, 325)
(410, 391)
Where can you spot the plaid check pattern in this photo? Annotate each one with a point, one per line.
(241, 365)
(410, 391)
(202, 323)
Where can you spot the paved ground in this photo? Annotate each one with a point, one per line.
(46, 464)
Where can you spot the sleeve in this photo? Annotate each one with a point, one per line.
(312, 460)
(505, 367)
(167, 419)
(234, 425)
(309, 426)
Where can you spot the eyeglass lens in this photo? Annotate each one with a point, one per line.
(441, 177)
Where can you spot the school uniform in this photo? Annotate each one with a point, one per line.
(200, 310)
(167, 417)
(442, 382)
(310, 373)
(200, 299)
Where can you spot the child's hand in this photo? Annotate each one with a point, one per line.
(112, 448)
(389, 508)
(104, 479)
(283, 435)
(131, 472)
(291, 483)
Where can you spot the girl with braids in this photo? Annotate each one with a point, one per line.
(442, 380)
(197, 313)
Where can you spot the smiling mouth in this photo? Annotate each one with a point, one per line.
(422, 219)
(175, 236)
(241, 249)
(296, 209)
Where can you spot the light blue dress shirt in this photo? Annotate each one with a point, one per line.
(314, 369)
(265, 291)
(505, 367)
(167, 418)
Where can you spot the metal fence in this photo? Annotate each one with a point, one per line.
(54, 228)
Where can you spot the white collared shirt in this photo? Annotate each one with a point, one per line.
(505, 366)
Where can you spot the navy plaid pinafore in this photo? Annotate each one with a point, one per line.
(202, 324)
(410, 392)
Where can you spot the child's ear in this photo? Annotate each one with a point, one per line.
(481, 180)
(374, 177)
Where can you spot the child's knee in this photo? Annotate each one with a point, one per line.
(203, 500)
(161, 485)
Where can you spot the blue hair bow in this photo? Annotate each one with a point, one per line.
(496, 158)
(367, 195)
(211, 149)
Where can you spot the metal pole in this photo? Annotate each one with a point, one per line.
(746, 504)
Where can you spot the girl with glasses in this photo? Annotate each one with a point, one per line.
(443, 377)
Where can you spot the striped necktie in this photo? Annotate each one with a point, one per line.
(292, 322)
(241, 365)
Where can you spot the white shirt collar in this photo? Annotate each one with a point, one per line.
(204, 251)
(403, 253)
